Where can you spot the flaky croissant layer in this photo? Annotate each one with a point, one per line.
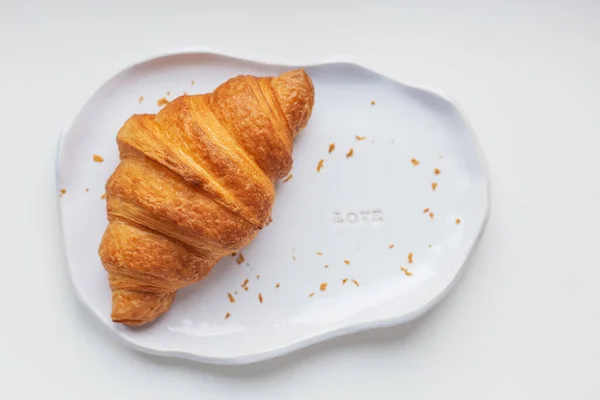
(195, 183)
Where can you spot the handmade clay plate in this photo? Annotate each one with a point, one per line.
(359, 226)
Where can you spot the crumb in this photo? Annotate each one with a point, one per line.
(269, 221)
(373, 102)
(319, 253)
(185, 93)
(257, 276)
(294, 249)
(425, 211)
(63, 191)
(441, 156)
(168, 93)
(355, 282)
(98, 158)
(430, 215)
(245, 283)
(162, 101)
(344, 281)
(234, 254)
(260, 297)
(240, 259)
(406, 272)
(434, 185)
(323, 286)
(350, 153)
(320, 165)
(312, 294)
(141, 99)
(227, 315)
(457, 221)
(392, 141)
(361, 137)
(246, 288)
(103, 196)
(277, 286)
(231, 298)
(294, 257)
(326, 266)
(347, 262)
(193, 83)
(331, 148)
(410, 258)
(235, 292)
(391, 246)
(436, 171)
(414, 162)
(87, 189)
(288, 178)
(429, 245)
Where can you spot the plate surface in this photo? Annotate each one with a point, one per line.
(354, 209)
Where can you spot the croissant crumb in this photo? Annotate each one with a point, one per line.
(162, 102)
(323, 286)
(245, 283)
(344, 281)
(240, 259)
(426, 210)
(410, 258)
(391, 246)
(406, 271)
(436, 171)
(373, 102)
(312, 294)
(260, 298)
(430, 215)
(288, 178)
(193, 83)
(326, 266)
(168, 93)
(63, 191)
(457, 221)
(355, 282)
(87, 190)
(331, 148)
(103, 196)
(98, 158)
(141, 99)
(320, 165)
(350, 153)
(361, 137)
(231, 298)
(319, 253)
(227, 315)
(347, 262)
(277, 286)
(414, 162)
(434, 185)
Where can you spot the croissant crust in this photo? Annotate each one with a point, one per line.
(195, 182)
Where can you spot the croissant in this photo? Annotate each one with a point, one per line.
(195, 182)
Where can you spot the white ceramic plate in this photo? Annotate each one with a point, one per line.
(353, 209)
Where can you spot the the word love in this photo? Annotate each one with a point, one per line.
(368, 217)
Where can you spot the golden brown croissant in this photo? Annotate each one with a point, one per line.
(195, 183)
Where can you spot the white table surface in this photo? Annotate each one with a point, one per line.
(523, 322)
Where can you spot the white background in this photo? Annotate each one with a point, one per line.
(522, 323)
